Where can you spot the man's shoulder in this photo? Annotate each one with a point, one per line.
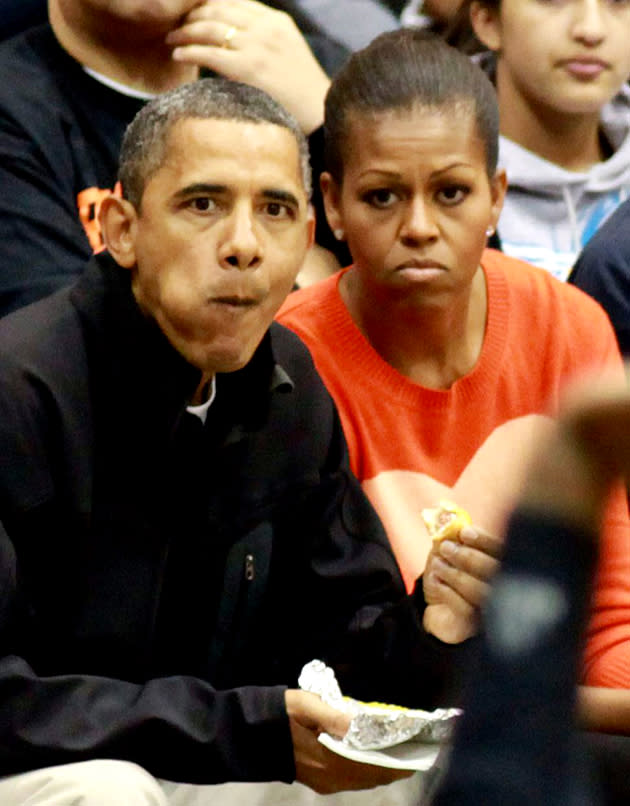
(41, 337)
(610, 245)
(38, 66)
(291, 352)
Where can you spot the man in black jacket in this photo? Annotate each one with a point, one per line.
(183, 532)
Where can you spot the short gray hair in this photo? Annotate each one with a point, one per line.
(145, 140)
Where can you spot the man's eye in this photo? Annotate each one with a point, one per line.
(202, 204)
(453, 194)
(380, 198)
(278, 210)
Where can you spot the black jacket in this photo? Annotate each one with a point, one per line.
(167, 591)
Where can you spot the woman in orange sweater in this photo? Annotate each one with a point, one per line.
(447, 360)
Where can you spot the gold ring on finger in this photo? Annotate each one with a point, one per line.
(229, 36)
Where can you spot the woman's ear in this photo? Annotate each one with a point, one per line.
(331, 193)
(498, 189)
(310, 225)
(118, 220)
(486, 25)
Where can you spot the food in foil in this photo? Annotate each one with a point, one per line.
(376, 725)
(445, 520)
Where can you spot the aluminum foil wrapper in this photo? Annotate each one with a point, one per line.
(375, 726)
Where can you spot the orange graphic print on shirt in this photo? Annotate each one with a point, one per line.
(487, 488)
(89, 203)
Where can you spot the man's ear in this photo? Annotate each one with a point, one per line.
(486, 25)
(331, 193)
(118, 219)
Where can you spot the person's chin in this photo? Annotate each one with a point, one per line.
(221, 359)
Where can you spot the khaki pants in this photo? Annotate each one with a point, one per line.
(120, 783)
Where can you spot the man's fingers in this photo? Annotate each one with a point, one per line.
(311, 712)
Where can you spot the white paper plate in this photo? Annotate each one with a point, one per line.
(404, 756)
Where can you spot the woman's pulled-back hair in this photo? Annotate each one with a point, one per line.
(401, 70)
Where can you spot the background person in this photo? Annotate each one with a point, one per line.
(72, 87)
(560, 71)
(603, 271)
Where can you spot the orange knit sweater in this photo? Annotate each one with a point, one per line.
(411, 446)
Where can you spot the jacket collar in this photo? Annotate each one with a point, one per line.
(141, 360)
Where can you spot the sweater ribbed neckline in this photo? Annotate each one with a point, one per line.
(364, 360)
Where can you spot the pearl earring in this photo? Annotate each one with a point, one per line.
(339, 234)
(490, 231)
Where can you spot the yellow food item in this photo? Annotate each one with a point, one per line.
(445, 520)
(382, 706)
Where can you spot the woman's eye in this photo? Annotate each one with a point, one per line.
(381, 198)
(453, 194)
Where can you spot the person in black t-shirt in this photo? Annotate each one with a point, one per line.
(71, 87)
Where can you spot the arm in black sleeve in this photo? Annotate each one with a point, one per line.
(178, 727)
(515, 741)
(603, 272)
(56, 706)
(42, 243)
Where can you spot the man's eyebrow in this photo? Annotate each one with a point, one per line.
(200, 187)
(273, 194)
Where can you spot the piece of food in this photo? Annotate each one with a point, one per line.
(445, 520)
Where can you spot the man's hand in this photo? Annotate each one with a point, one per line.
(455, 584)
(315, 765)
(250, 42)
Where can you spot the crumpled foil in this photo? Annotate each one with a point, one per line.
(377, 725)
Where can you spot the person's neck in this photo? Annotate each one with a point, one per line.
(138, 59)
(431, 345)
(572, 142)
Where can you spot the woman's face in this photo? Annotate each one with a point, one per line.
(415, 202)
(570, 56)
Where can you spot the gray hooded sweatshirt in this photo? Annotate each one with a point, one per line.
(549, 212)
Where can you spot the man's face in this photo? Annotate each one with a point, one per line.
(223, 229)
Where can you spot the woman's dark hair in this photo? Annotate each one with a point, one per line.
(401, 70)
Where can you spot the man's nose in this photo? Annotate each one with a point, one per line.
(241, 247)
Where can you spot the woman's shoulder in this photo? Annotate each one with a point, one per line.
(529, 286)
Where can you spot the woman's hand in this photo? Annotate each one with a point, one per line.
(250, 42)
(455, 583)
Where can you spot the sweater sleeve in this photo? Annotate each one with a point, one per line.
(607, 651)
(607, 655)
